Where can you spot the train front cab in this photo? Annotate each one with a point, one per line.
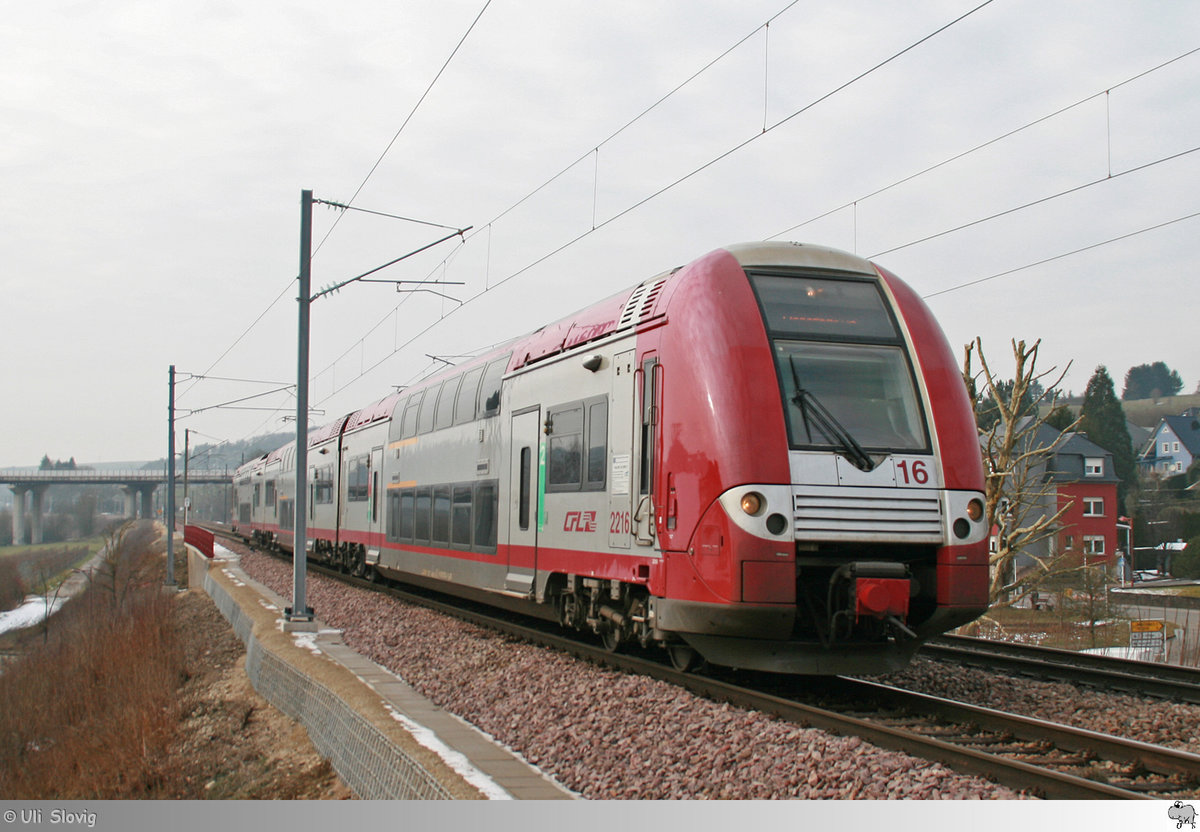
(839, 519)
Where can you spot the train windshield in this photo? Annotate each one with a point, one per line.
(844, 373)
(867, 389)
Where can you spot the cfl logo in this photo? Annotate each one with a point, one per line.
(580, 521)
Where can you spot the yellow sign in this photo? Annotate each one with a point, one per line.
(1145, 626)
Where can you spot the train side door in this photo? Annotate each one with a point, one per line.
(375, 499)
(647, 418)
(524, 500)
(621, 493)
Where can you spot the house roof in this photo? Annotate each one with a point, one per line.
(1071, 456)
(1071, 452)
(1186, 427)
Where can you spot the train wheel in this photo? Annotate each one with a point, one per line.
(683, 657)
(611, 639)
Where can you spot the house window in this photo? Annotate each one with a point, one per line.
(1093, 544)
(1166, 447)
(1093, 466)
(1093, 506)
(1175, 447)
(1069, 542)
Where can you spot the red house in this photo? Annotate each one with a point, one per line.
(1083, 475)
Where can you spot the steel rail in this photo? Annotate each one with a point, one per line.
(1143, 678)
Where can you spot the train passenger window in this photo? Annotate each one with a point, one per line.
(565, 448)
(287, 518)
(441, 514)
(464, 409)
(323, 484)
(270, 494)
(357, 489)
(575, 427)
(460, 517)
(428, 405)
(489, 391)
(408, 422)
(445, 405)
(257, 495)
(243, 512)
(406, 502)
(597, 456)
(392, 516)
(421, 511)
(486, 503)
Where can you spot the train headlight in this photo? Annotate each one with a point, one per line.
(975, 510)
(752, 502)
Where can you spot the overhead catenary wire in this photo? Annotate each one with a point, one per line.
(357, 191)
(406, 121)
(1040, 201)
(995, 140)
(725, 154)
(596, 226)
(1066, 254)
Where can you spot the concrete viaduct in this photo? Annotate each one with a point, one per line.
(136, 484)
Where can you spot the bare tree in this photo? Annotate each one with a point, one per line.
(1018, 449)
(127, 563)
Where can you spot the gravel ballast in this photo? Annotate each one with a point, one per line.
(606, 734)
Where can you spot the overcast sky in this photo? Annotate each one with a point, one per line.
(153, 155)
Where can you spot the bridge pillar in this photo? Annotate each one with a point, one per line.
(130, 501)
(146, 492)
(39, 494)
(18, 518)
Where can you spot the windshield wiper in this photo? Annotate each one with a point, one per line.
(834, 432)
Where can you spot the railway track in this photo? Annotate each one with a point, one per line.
(1180, 684)
(1041, 758)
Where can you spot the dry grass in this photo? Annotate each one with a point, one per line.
(87, 713)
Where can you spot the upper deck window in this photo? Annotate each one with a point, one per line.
(822, 308)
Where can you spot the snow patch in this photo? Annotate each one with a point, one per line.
(455, 759)
(33, 611)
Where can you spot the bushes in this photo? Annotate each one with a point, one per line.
(1186, 564)
(86, 714)
(12, 585)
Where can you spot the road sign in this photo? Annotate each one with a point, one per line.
(1147, 635)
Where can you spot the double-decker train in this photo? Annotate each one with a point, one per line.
(766, 458)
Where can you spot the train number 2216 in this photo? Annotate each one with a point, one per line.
(618, 522)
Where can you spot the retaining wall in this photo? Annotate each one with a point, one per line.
(372, 753)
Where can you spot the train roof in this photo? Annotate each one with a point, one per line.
(627, 309)
(639, 304)
(372, 413)
(800, 255)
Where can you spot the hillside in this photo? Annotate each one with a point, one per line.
(1147, 412)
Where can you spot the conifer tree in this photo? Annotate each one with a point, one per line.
(1103, 420)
